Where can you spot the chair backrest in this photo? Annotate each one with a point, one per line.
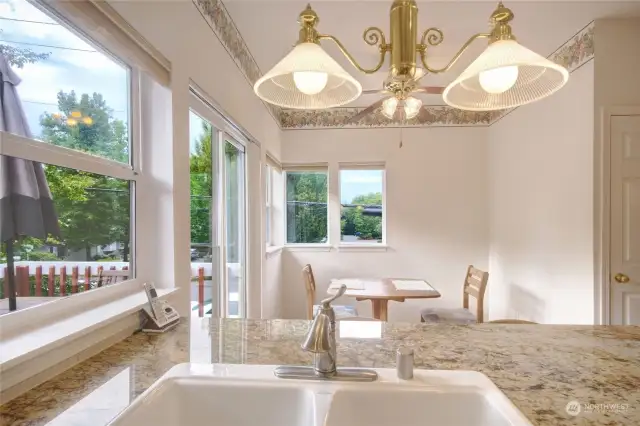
(475, 284)
(511, 321)
(310, 286)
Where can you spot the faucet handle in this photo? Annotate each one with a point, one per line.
(326, 303)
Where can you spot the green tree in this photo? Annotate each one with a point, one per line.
(201, 169)
(306, 207)
(355, 222)
(201, 174)
(19, 56)
(93, 210)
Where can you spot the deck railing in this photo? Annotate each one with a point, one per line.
(60, 281)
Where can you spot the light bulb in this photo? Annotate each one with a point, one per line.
(389, 107)
(499, 80)
(310, 82)
(412, 107)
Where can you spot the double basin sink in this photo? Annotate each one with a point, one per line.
(250, 395)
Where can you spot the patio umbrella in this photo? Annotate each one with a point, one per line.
(26, 206)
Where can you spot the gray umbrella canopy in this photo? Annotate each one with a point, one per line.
(26, 206)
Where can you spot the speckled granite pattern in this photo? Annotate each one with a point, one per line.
(541, 368)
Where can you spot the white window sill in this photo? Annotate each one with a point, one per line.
(25, 346)
(272, 250)
(308, 247)
(363, 247)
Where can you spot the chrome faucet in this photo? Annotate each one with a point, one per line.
(321, 338)
(321, 341)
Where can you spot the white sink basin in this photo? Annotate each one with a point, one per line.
(250, 395)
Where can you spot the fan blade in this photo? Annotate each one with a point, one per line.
(431, 90)
(373, 92)
(368, 110)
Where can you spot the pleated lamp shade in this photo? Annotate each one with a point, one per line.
(307, 78)
(505, 75)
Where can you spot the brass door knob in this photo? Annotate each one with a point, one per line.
(621, 278)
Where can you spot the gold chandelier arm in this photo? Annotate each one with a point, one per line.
(434, 37)
(371, 36)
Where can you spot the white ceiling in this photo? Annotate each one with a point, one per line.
(270, 29)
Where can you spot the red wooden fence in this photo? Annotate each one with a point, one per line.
(26, 287)
(23, 282)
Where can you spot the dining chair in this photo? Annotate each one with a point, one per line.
(342, 311)
(475, 284)
(510, 321)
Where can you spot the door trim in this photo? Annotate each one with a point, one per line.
(601, 211)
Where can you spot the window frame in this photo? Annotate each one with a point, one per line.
(308, 168)
(133, 171)
(268, 212)
(363, 243)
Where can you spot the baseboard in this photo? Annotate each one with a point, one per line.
(27, 375)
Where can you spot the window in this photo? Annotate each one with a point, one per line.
(268, 204)
(94, 248)
(73, 95)
(76, 100)
(362, 205)
(306, 216)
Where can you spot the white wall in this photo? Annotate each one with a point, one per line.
(184, 37)
(541, 204)
(437, 218)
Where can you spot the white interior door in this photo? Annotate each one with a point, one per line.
(625, 220)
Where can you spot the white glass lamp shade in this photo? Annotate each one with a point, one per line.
(505, 75)
(411, 107)
(307, 78)
(389, 107)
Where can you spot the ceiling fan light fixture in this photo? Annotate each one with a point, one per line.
(411, 107)
(505, 75)
(389, 107)
(307, 78)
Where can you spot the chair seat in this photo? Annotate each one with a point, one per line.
(455, 316)
(342, 311)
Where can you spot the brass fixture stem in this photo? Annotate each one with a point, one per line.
(500, 19)
(422, 49)
(371, 36)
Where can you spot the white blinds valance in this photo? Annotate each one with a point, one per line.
(362, 166)
(311, 167)
(101, 23)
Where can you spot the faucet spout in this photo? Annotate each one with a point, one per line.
(318, 339)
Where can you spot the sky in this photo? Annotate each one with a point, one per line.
(84, 70)
(359, 182)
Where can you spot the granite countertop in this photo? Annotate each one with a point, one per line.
(541, 368)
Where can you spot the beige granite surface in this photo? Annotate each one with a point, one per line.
(541, 368)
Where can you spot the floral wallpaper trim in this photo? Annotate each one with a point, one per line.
(220, 22)
(439, 115)
(576, 52)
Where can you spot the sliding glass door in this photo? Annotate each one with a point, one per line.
(235, 247)
(218, 215)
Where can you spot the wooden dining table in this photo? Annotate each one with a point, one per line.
(381, 290)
